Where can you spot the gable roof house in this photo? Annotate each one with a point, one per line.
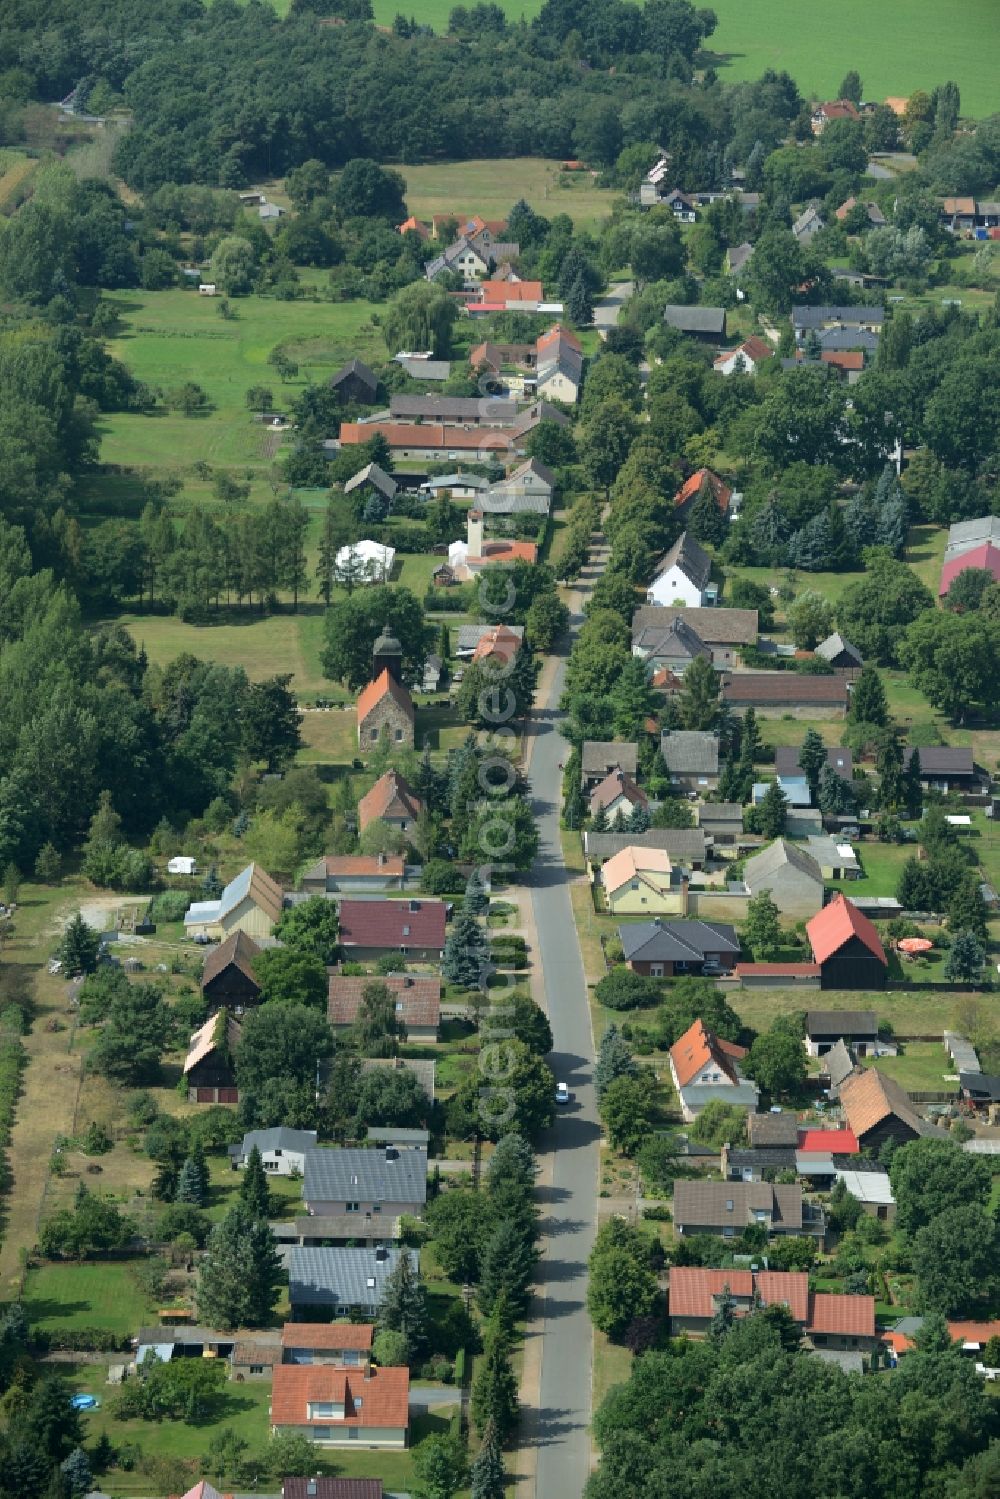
(417, 1001)
(678, 645)
(727, 1208)
(826, 1320)
(721, 821)
(372, 477)
(786, 761)
(877, 1109)
(282, 1150)
(724, 631)
(393, 800)
(705, 1067)
(228, 976)
(696, 483)
(738, 257)
(337, 1407)
(617, 793)
(837, 109)
(948, 767)
(966, 535)
(348, 1344)
(354, 872)
(840, 654)
(982, 558)
(706, 324)
(210, 1065)
(746, 358)
(365, 1181)
(371, 927)
(788, 874)
(343, 1280)
(808, 224)
(686, 846)
(355, 382)
(463, 257)
(682, 575)
(847, 947)
(788, 691)
(559, 365)
(251, 903)
(599, 757)
(772, 1129)
(841, 319)
(434, 442)
(458, 411)
(332, 1488)
(692, 758)
(875, 215)
(385, 705)
(824, 1028)
(637, 880)
(660, 949)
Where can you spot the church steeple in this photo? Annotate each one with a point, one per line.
(387, 655)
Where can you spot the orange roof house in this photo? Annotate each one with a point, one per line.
(692, 488)
(391, 799)
(334, 1406)
(386, 705)
(407, 437)
(417, 999)
(499, 643)
(876, 1108)
(897, 104)
(847, 947)
(700, 1051)
(825, 1319)
(414, 226)
(329, 1337)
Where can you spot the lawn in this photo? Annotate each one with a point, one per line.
(169, 337)
(243, 1409)
(910, 1012)
(262, 644)
(922, 1068)
(882, 864)
(898, 47)
(491, 188)
(86, 1295)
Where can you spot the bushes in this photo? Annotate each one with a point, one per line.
(12, 1062)
(621, 989)
(169, 905)
(80, 1339)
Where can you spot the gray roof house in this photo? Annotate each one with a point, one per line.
(475, 411)
(964, 535)
(599, 757)
(738, 256)
(692, 759)
(682, 574)
(859, 1028)
(804, 318)
(661, 949)
(722, 821)
(727, 1208)
(723, 630)
(385, 1179)
(376, 477)
(678, 645)
(808, 224)
(944, 767)
(836, 340)
(840, 653)
(791, 877)
(686, 846)
(342, 1280)
(786, 761)
(355, 381)
(283, 1151)
(424, 369)
(708, 324)
(839, 1063)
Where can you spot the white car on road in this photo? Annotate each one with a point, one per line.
(563, 1094)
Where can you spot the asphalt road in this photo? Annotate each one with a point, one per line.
(569, 1206)
(607, 309)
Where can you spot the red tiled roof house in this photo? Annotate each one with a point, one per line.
(336, 1407)
(369, 928)
(417, 999)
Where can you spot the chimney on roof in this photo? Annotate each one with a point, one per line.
(311, 1487)
(381, 860)
(407, 981)
(391, 1153)
(381, 1255)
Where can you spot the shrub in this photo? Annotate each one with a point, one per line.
(621, 989)
(169, 905)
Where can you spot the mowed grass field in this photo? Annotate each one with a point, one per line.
(170, 337)
(491, 188)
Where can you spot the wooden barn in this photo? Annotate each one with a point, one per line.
(847, 947)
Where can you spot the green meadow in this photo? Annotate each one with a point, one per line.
(169, 337)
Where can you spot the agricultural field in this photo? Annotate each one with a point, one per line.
(16, 172)
(263, 645)
(897, 47)
(169, 337)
